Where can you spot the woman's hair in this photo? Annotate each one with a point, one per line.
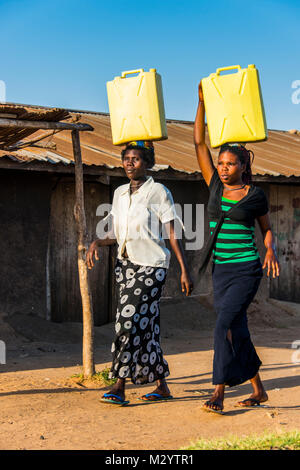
(244, 155)
(146, 150)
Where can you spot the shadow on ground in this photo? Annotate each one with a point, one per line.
(187, 325)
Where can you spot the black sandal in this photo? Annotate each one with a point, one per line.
(253, 402)
(207, 407)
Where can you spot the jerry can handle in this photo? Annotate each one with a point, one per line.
(131, 71)
(228, 68)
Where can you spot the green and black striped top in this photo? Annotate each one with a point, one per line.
(235, 241)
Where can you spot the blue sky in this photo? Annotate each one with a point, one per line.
(62, 52)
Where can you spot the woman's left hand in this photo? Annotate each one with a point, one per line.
(271, 261)
(186, 282)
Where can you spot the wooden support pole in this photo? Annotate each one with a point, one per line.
(87, 308)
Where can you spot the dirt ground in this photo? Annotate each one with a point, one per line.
(42, 407)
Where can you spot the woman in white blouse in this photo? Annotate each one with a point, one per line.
(139, 209)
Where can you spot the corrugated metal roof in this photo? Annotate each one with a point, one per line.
(10, 136)
(279, 155)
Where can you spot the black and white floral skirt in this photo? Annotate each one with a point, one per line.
(136, 348)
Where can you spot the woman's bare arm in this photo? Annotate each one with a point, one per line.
(271, 260)
(202, 151)
(185, 278)
(93, 249)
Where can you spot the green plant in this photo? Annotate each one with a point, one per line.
(268, 441)
(101, 376)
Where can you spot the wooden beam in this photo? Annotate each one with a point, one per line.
(87, 308)
(18, 123)
(8, 116)
(36, 165)
(48, 145)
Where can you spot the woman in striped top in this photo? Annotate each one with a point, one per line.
(234, 205)
(235, 242)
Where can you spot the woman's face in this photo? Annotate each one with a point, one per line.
(230, 169)
(134, 165)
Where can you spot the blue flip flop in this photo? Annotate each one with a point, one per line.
(158, 397)
(119, 401)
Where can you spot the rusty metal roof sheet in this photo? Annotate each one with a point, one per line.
(10, 136)
(279, 155)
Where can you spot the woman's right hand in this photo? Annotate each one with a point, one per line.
(92, 251)
(202, 151)
(200, 92)
(186, 282)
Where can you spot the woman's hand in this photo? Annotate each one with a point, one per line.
(186, 282)
(92, 251)
(271, 261)
(200, 92)
(202, 151)
(185, 279)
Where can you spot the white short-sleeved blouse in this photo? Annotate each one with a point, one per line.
(138, 219)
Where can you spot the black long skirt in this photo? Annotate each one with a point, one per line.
(234, 285)
(136, 348)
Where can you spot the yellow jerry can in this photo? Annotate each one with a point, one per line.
(234, 106)
(136, 107)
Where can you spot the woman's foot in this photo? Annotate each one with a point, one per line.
(162, 390)
(216, 401)
(259, 394)
(118, 389)
(254, 400)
